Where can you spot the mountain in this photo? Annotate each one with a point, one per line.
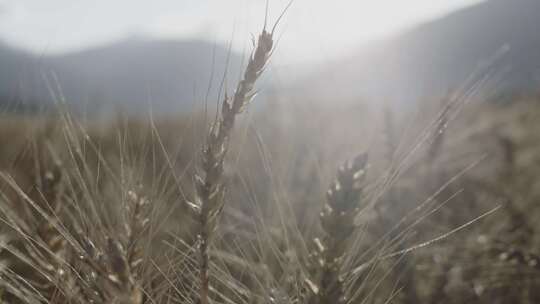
(130, 74)
(15, 68)
(430, 59)
(423, 62)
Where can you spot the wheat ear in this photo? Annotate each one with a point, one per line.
(210, 188)
(337, 220)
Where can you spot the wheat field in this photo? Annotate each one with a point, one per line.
(303, 204)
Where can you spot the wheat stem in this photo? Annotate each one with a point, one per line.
(210, 189)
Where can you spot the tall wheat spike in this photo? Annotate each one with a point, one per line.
(210, 188)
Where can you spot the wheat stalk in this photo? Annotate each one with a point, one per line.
(210, 188)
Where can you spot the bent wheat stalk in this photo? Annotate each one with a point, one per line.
(210, 188)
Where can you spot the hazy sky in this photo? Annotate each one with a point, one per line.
(313, 29)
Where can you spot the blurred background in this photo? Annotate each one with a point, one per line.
(167, 53)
